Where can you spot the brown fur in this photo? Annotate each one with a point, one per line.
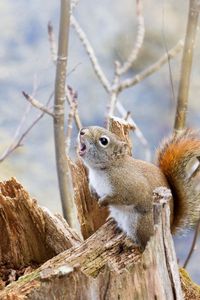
(133, 181)
(174, 157)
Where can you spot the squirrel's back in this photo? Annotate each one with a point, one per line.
(179, 160)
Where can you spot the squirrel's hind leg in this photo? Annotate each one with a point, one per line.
(144, 229)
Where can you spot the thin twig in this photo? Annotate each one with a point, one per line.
(186, 66)
(113, 93)
(120, 70)
(128, 115)
(74, 3)
(193, 244)
(90, 51)
(18, 143)
(53, 47)
(21, 123)
(70, 102)
(25, 115)
(151, 69)
(37, 104)
(139, 40)
(137, 131)
(72, 95)
(73, 69)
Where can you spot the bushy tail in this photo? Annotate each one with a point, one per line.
(179, 159)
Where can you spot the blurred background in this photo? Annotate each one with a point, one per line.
(25, 63)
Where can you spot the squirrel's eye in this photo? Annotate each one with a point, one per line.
(104, 140)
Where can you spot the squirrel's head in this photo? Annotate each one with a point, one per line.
(99, 148)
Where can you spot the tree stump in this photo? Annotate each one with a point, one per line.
(105, 266)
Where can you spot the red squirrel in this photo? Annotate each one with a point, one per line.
(126, 184)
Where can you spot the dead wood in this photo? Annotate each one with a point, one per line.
(30, 235)
(106, 266)
(190, 289)
(90, 215)
(122, 129)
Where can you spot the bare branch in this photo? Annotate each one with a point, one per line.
(72, 95)
(193, 244)
(139, 39)
(17, 138)
(21, 124)
(186, 66)
(62, 163)
(18, 143)
(25, 115)
(90, 51)
(37, 104)
(151, 69)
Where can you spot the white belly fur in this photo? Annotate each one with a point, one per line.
(126, 218)
(100, 182)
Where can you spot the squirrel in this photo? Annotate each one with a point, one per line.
(126, 184)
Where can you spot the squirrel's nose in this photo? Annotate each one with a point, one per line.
(82, 131)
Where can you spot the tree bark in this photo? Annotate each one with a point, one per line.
(90, 215)
(29, 234)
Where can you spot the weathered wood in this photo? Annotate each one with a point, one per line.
(190, 289)
(82, 271)
(107, 266)
(29, 234)
(122, 129)
(90, 215)
(162, 197)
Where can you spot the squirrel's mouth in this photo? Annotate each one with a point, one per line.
(82, 149)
